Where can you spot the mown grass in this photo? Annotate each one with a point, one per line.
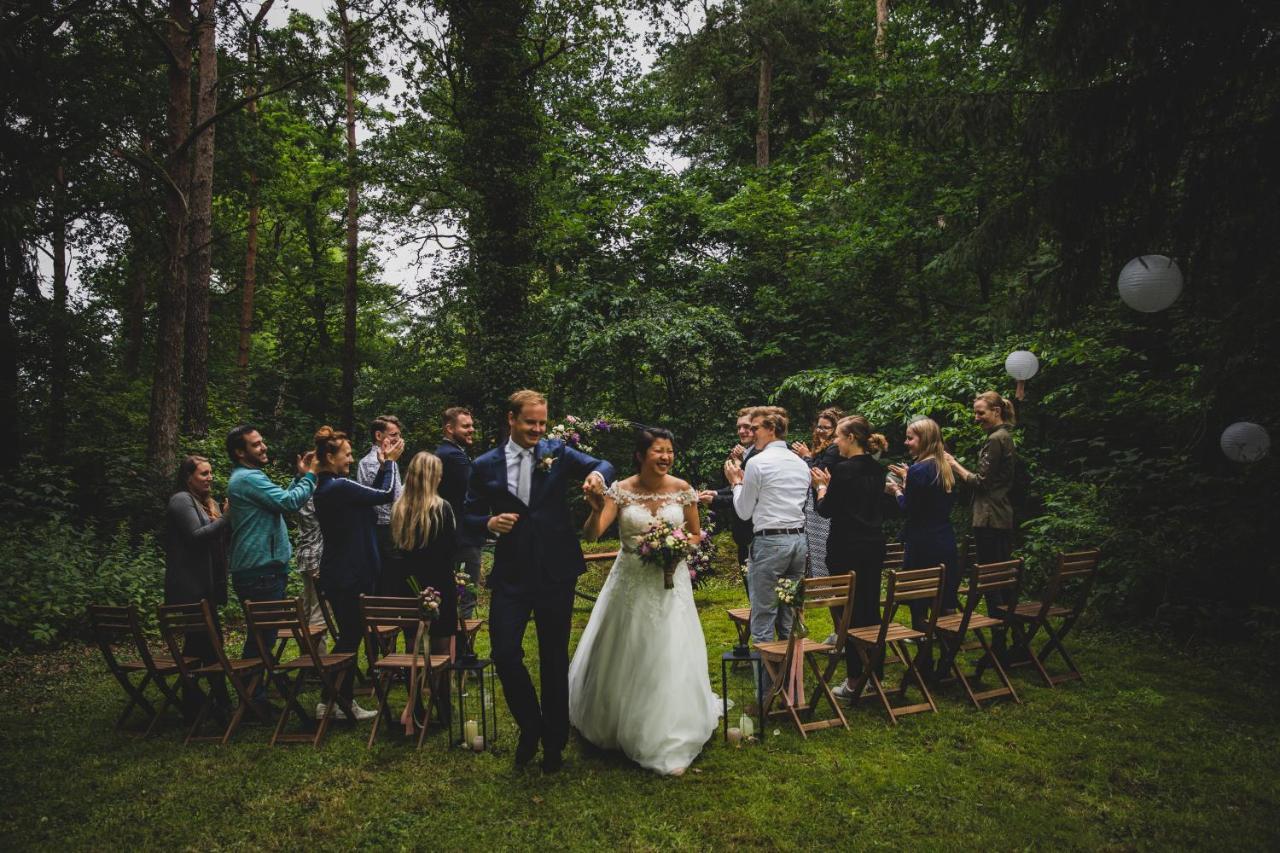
(1159, 748)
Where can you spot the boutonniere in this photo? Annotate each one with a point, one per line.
(545, 463)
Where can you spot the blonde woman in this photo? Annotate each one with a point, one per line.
(424, 535)
(927, 497)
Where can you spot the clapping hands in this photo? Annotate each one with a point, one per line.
(732, 471)
(390, 449)
(821, 479)
(801, 449)
(306, 463)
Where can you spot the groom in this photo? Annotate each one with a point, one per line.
(517, 492)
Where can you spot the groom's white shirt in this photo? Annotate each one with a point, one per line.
(514, 452)
(773, 489)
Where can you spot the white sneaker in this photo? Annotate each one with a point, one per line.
(339, 714)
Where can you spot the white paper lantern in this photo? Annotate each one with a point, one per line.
(1022, 365)
(1245, 442)
(1150, 283)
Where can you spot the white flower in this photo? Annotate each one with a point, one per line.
(546, 462)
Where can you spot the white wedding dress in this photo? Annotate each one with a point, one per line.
(638, 681)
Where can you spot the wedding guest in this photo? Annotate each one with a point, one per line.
(822, 456)
(351, 563)
(459, 432)
(721, 500)
(260, 550)
(926, 497)
(852, 494)
(424, 533)
(307, 554)
(382, 428)
(771, 492)
(992, 510)
(195, 564)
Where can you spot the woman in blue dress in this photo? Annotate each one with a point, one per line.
(926, 498)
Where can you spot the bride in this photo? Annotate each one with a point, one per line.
(638, 681)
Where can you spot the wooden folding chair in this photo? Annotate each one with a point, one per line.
(244, 674)
(384, 642)
(269, 619)
(779, 658)
(873, 643)
(424, 671)
(1064, 600)
(893, 553)
(284, 635)
(953, 628)
(111, 626)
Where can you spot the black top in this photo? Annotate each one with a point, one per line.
(855, 501)
(350, 562)
(432, 565)
(195, 553)
(453, 483)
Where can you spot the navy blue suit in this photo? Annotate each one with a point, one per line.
(535, 567)
(454, 478)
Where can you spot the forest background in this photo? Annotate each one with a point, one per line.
(653, 211)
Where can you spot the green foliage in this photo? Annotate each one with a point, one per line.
(50, 571)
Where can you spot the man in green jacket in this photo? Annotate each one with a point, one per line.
(260, 549)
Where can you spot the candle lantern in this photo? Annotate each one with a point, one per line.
(741, 695)
(475, 706)
(1021, 365)
(1150, 283)
(1245, 441)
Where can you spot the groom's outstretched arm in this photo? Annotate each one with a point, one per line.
(583, 465)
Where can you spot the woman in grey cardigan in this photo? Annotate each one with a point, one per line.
(195, 559)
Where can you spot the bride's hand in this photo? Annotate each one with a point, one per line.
(594, 499)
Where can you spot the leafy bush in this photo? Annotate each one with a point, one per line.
(52, 570)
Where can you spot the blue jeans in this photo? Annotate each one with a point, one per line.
(260, 588)
(773, 557)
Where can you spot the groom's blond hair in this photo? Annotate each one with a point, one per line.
(524, 397)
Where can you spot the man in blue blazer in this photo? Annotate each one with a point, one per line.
(517, 492)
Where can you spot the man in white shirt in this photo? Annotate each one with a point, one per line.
(771, 493)
(382, 427)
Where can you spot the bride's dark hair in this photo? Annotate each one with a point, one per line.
(645, 437)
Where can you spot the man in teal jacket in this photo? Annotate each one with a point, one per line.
(260, 549)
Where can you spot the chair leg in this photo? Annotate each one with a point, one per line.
(914, 671)
(826, 691)
(989, 654)
(169, 700)
(137, 699)
(380, 685)
(206, 703)
(1054, 644)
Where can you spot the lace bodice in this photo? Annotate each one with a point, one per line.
(637, 510)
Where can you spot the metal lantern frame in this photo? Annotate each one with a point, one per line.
(485, 678)
(730, 661)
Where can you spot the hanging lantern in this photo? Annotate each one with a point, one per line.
(1150, 283)
(1245, 441)
(1021, 365)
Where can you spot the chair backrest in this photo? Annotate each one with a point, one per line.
(969, 552)
(1072, 581)
(112, 626)
(986, 578)
(893, 553)
(911, 585)
(179, 620)
(833, 591)
(404, 612)
(268, 618)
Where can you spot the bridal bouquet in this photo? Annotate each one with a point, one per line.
(665, 545)
(702, 562)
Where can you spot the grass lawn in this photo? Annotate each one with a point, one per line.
(1158, 748)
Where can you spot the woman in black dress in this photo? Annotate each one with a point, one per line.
(195, 562)
(852, 494)
(423, 531)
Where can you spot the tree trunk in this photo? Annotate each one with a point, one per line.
(353, 234)
(502, 138)
(251, 237)
(13, 266)
(135, 311)
(196, 364)
(764, 94)
(166, 388)
(882, 25)
(60, 327)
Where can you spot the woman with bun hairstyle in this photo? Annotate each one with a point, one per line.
(350, 564)
(823, 455)
(852, 494)
(992, 509)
